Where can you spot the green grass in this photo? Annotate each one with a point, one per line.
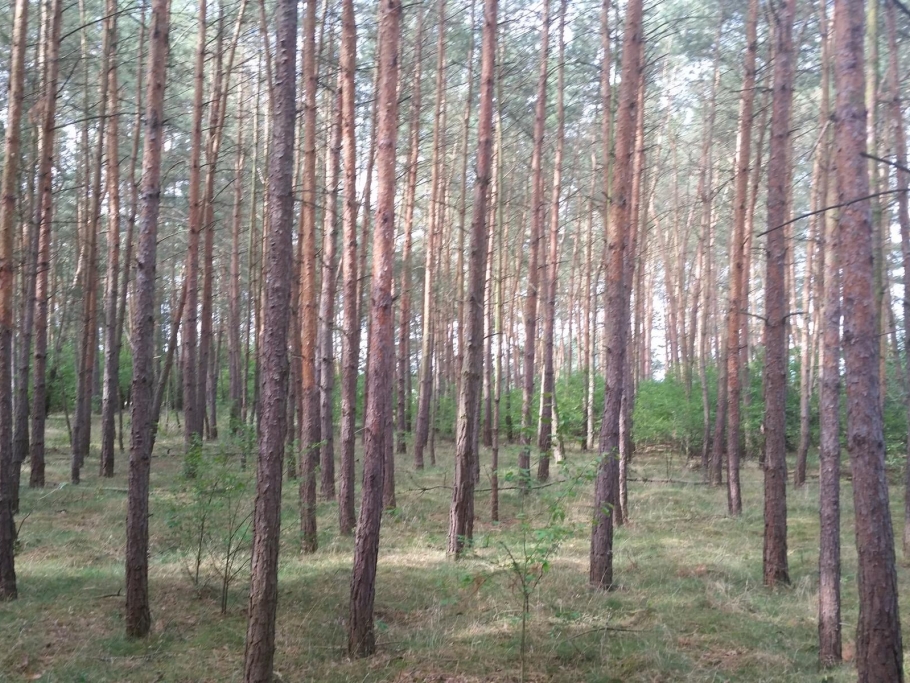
(690, 605)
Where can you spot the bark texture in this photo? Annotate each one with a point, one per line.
(879, 655)
(606, 487)
(380, 370)
(263, 603)
(461, 515)
(138, 616)
(775, 567)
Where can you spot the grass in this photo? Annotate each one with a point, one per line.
(690, 605)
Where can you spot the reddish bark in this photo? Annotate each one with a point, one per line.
(378, 415)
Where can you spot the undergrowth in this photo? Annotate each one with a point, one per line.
(689, 605)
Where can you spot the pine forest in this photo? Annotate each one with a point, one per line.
(492, 340)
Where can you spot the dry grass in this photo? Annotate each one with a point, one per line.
(689, 607)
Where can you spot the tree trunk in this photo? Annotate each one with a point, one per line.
(309, 391)
(45, 234)
(738, 283)
(878, 634)
(88, 282)
(8, 195)
(111, 391)
(138, 617)
(425, 376)
(263, 603)
(617, 304)
(775, 568)
(404, 323)
(829, 456)
(236, 367)
(551, 269)
(361, 637)
(461, 516)
(537, 217)
(903, 216)
(350, 345)
(192, 419)
(27, 303)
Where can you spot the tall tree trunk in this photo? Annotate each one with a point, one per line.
(636, 211)
(236, 367)
(903, 216)
(54, 14)
(111, 391)
(461, 516)
(27, 314)
(133, 205)
(775, 568)
(404, 322)
(309, 391)
(551, 269)
(350, 344)
(191, 368)
(617, 304)
(263, 604)
(361, 637)
(606, 94)
(829, 456)
(8, 194)
(138, 617)
(425, 376)
(537, 218)
(88, 283)
(878, 636)
(738, 283)
(327, 307)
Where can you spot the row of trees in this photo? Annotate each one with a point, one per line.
(270, 170)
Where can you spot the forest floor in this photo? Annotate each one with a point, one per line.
(689, 606)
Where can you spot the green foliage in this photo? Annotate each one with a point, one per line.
(210, 514)
(527, 558)
(665, 414)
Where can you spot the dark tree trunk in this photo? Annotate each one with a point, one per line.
(404, 324)
(111, 391)
(775, 382)
(606, 491)
(378, 416)
(350, 345)
(8, 196)
(461, 515)
(537, 217)
(138, 617)
(879, 652)
(423, 427)
(327, 309)
(191, 367)
(263, 604)
(88, 344)
(45, 209)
